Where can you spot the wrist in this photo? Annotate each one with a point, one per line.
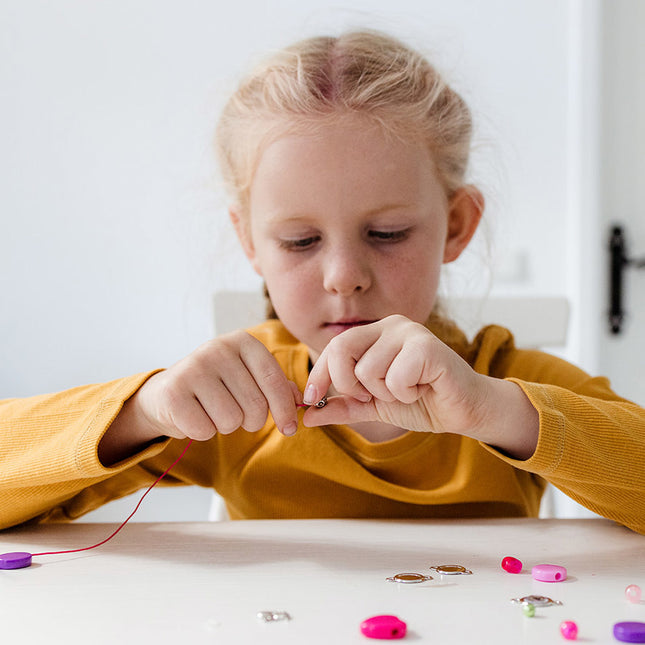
(129, 433)
(511, 424)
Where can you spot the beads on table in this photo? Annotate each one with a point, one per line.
(630, 632)
(549, 573)
(528, 608)
(633, 594)
(511, 564)
(384, 627)
(569, 630)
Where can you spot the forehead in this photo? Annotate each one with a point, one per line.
(348, 160)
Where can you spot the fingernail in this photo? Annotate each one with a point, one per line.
(364, 397)
(289, 430)
(310, 396)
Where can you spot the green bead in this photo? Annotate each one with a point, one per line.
(528, 609)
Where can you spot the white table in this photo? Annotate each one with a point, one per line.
(205, 582)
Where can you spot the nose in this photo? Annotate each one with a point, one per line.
(346, 270)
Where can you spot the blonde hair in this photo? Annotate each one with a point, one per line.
(323, 78)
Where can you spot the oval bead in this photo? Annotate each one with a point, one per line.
(15, 560)
(511, 564)
(383, 627)
(549, 573)
(630, 632)
(633, 593)
(569, 630)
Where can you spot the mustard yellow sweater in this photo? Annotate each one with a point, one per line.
(591, 446)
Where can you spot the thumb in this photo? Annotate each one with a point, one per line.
(340, 410)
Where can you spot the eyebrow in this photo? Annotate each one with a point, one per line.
(277, 216)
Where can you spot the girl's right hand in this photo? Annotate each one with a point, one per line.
(230, 382)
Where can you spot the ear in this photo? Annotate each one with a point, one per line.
(244, 236)
(466, 208)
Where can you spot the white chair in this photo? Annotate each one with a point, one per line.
(536, 322)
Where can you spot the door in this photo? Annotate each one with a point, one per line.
(622, 171)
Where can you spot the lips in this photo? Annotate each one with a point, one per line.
(340, 326)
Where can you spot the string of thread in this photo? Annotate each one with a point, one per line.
(127, 519)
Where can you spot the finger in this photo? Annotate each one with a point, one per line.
(297, 394)
(406, 376)
(189, 419)
(273, 385)
(340, 410)
(318, 383)
(222, 406)
(336, 366)
(373, 366)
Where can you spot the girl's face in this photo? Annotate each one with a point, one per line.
(347, 226)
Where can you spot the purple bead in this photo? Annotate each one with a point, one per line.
(630, 632)
(15, 560)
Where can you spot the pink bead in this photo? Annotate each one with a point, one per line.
(549, 572)
(383, 627)
(511, 564)
(569, 630)
(633, 593)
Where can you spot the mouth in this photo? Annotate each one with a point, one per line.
(340, 326)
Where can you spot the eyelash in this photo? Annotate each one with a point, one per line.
(389, 236)
(302, 244)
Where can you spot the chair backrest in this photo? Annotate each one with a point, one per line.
(534, 321)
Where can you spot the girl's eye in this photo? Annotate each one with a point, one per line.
(298, 244)
(389, 236)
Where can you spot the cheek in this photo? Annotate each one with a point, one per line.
(412, 282)
(291, 289)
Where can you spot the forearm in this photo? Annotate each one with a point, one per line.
(48, 446)
(592, 448)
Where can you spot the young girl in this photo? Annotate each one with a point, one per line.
(345, 159)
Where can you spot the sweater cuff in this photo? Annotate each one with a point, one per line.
(87, 460)
(548, 452)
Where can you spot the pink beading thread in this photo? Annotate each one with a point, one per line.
(127, 519)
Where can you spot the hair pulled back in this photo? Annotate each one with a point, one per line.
(320, 79)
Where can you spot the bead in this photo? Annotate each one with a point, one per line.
(383, 627)
(15, 560)
(549, 573)
(511, 564)
(633, 593)
(569, 630)
(529, 609)
(630, 632)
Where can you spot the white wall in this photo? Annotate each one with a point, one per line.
(114, 231)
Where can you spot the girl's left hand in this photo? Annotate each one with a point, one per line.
(397, 372)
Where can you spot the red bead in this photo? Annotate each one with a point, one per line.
(511, 565)
(569, 630)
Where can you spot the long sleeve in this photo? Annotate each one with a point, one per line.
(48, 446)
(591, 443)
